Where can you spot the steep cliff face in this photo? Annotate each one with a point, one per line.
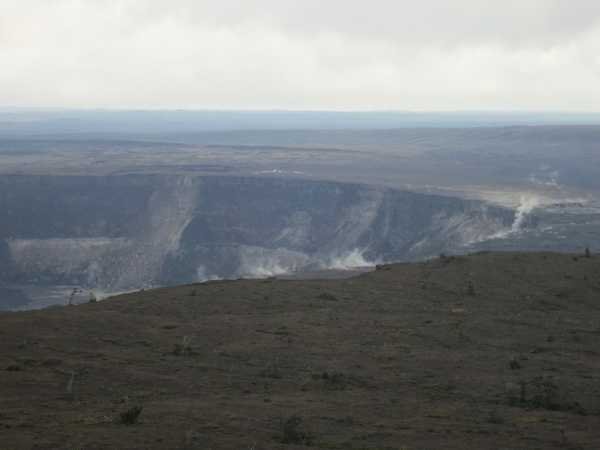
(257, 227)
(127, 232)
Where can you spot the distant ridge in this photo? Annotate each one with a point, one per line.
(49, 121)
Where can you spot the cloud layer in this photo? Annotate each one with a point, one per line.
(289, 54)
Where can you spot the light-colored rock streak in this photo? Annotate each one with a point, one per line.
(170, 210)
(356, 220)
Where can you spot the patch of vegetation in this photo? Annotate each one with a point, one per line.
(327, 297)
(334, 381)
(495, 418)
(514, 364)
(292, 432)
(445, 259)
(51, 362)
(131, 416)
(272, 371)
(184, 348)
(543, 393)
(470, 288)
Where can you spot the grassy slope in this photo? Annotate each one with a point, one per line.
(404, 357)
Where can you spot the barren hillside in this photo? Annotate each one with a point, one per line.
(489, 351)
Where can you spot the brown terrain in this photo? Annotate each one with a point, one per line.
(489, 351)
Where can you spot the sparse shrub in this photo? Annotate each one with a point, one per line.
(272, 371)
(184, 348)
(470, 288)
(13, 368)
(523, 392)
(514, 364)
(511, 390)
(334, 380)
(51, 362)
(495, 418)
(543, 393)
(446, 259)
(292, 433)
(192, 438)
(337, 381)
(328, 297)
(131, 416)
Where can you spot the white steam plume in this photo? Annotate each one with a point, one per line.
(527, 204)
(349, 260)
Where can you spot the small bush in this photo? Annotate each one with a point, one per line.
(446, 259)
(514, 364)
(272, 371)
(470, 288)
(292, 433)
(543, 393)
(130, 416)
(335, 380)
(328, 297)
(184, 348)
(495, 418)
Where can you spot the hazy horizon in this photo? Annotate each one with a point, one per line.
(48, 121)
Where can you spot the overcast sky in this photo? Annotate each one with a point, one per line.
(302, 54)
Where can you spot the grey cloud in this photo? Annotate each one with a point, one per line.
(427, 54)
(533, 22)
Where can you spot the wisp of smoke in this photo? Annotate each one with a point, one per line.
(349, 260)
(527, 204)
(266, 270)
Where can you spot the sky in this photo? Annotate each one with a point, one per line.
(407, 55)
